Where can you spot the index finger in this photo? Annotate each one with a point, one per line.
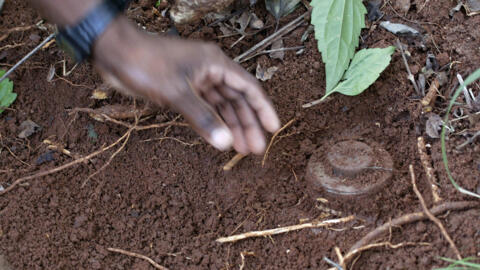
(240, 80)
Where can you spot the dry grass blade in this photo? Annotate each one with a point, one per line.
(140, 256)
(286, 229)
(431, 216)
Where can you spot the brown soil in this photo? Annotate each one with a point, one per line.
(170, 201)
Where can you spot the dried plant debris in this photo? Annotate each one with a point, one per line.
(472, 7)
(265, 74)
(433, 126)
(399, 29)
(28, 128)
(373, 9)
(281, 8)
(256, 23)
(402, 5)
(277, 45)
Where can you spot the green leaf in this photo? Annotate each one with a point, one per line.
(366, 66)
(280, 8)
(7, 97)
(337, 29)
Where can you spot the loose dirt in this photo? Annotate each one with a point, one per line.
(170, 199)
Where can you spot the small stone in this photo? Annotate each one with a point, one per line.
(316, 65)
(28, 128)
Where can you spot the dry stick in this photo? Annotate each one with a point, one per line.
(410, 75)
(286, 229)
(62, 167)
(273, 139)
(427, 166)
(423, 6)
(230, 164)
(431, 216)
(136, 255)
(413, 217)
(243, 254)
(275, 36)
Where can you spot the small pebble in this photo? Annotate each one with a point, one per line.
(316, 65)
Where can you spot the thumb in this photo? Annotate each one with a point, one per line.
(204, 120)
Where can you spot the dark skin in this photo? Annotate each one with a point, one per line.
(196, 79)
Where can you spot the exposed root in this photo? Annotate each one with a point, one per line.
(15, 29)
(140, 256)
(129, 132)
(273, 139)
(118, 112)
(230, 164)
(427, 166)
(351, 254)
(286, 229)
(431, 216)
(243, 254)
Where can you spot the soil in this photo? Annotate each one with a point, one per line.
(170, 200)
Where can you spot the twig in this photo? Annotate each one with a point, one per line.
(468, 141)
(427, 166)
(16, 29)
(275, 36)
(286, 229)
(431, 216)
(272, 51)
(410, 75)
(62, 167)
(136, 255)
(25, 58)
(230, 164)
(413, 217)
(13, 46)
(273, 139)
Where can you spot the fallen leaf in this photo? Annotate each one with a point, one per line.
(434, 126)
(27, 128)
(265, 74)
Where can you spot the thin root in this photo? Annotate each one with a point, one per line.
(140, 256)
(273, 139)
(427, 166)
(231, 163)
(431, 216)
(286, 229)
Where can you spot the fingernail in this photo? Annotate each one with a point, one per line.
(222, 138)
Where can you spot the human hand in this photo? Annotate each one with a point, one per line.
(193, 78)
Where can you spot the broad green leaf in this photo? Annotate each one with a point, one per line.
(7, 97)
(366, 66)
(280, 8)
(337, 29)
